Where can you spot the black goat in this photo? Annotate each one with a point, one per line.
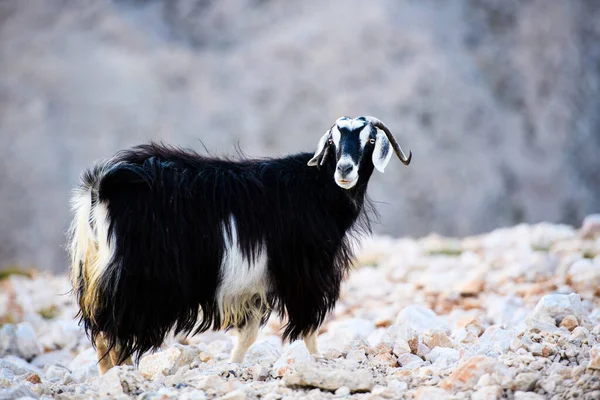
(165, 240)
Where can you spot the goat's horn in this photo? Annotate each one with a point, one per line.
(378, 124)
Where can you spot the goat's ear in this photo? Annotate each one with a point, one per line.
(321, 147)
(382, 153)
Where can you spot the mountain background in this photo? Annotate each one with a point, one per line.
(498, 100)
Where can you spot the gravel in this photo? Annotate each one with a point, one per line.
(506, 314)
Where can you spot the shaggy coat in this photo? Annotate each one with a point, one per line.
(165, 239)
(156, 228)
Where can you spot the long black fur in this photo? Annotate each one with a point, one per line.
(166, 208)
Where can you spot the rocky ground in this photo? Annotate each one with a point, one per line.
(514, 313)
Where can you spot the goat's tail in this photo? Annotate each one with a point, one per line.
(89, 246)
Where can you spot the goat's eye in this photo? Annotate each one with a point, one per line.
(330, 141)
(372, 141)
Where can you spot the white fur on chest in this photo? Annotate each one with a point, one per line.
(243, 286)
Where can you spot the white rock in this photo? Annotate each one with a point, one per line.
(420, 318)
(528, 396)
(342, 391)
(312, 375)
(594, 362)
(507, 310)
(259, 372)
(62, 357)
(58, 374)
(18, 366)
(85, 365)
(165, 362)
(492, 392)
(410, 361)
(8, 339)
(294, 355)
(584, 276)
(234, 395)
(552, 308)
(431, 393)
(525, 381)
(398, 386)
(27, 344)
(118, 381)
(442, 357)
(495, 339)
(18, 392)
(436, 338)
(220, 349)
(544, 235)
(341, 333)
(590, 226)
(63, 334)
(264, 351)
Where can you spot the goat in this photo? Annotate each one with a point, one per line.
(166, 240)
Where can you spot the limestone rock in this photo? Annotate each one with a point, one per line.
(293, 356)
(584, 276)
(591, 226)
(594, 362)
(264, 351)
(121, 380)
(553, 308)
(27, 344)
(165, 362)
(19, 340)
(342, 333)
(431, 393)
(443, 357)
(467, 374)
(436, 338)
(85, 365)
(420, 319)
(491, 392)
(311, 375)
(410, 361)
(525, 382)
(18, 392)
(528, 396)
(52, 357)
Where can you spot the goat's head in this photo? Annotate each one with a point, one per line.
(358, 144)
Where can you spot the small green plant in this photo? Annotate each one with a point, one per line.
(540, 248)
(14, 270)
(48, 312)
(445, 252)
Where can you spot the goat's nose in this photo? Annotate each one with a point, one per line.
(344, 168)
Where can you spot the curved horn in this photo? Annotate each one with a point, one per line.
(378, 124)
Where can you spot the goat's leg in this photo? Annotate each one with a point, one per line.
(310, 341)
(115, 354)
(246, 337)
(104, 358)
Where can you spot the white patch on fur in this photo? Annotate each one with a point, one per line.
(240, 279)
(365, 133)
(350, 124)
(105, 253)
(336, 136)
(81, 236)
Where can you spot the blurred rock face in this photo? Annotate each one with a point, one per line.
(497, 100)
